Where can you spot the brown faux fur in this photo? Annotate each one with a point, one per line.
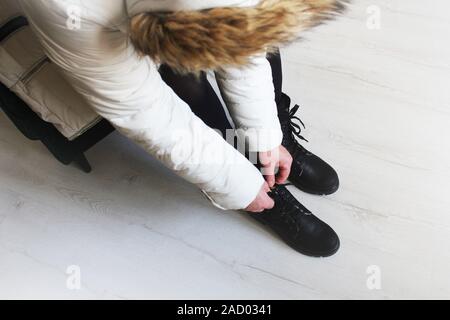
(191, 41)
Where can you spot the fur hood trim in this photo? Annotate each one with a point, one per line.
(192, 41)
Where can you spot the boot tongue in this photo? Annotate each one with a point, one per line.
(284, 116)
(285, 121)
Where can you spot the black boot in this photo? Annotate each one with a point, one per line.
(297, 226)
(309, 172)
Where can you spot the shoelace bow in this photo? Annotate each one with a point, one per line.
(296, 127)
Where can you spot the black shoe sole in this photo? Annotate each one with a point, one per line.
(325, 192)
(324, 255)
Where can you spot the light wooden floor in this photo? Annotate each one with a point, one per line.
(377, 105)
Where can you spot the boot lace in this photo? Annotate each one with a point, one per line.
(294, 126)
(296, 123)
(290, 212)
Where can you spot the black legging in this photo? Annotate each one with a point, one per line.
(201, 97)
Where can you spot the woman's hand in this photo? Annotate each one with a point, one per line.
(262, 201)
(276, 165)
(272, 161)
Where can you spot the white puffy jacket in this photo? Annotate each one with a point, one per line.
(89, 41)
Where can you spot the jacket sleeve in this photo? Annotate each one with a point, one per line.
(128, 91)
(250, 97)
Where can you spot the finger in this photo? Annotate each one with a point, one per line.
(266, 187)
(266, 204)
(257, 210)
(270, 180)
(254, 209)
(269, 174)
(269, 203)
(268, 169)
(283, 174)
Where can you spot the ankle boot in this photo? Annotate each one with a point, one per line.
(297, 226)
(309, 173)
